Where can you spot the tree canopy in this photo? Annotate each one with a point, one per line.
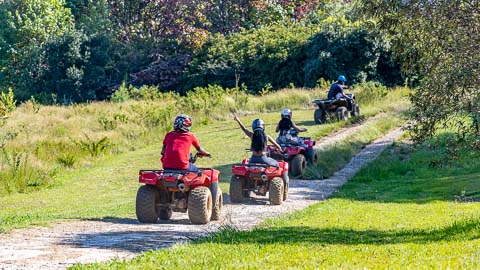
(439, 41)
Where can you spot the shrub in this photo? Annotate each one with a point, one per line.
(67, 160)
(281, 56)
(95, 147)
(370, 91)
(7, 102)
(121, 94)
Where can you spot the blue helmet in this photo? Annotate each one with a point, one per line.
(342, 79)
(258, 124)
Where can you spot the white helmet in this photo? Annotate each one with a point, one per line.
(286, 113)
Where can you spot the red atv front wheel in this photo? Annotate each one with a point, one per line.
(217, 210)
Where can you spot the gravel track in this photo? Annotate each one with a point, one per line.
(63, 244)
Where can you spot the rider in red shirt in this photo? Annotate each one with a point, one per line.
(177, 144)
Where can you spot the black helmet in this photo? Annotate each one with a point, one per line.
(182, 122)
(258, 124)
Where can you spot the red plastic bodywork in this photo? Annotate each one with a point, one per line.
(192, 179)
(271, 172)
(293, 150)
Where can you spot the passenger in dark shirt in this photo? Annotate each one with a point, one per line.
(286, 124)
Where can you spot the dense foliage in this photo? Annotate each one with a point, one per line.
(68, 51)
(279, 56)
(440, 41)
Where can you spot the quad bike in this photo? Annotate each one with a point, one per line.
(166, 191)
(295, 152)
(259, 178)
(339, 107)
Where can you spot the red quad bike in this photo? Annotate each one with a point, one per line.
(166, 191)
(328, 107)
(259, 178)
(296, 153)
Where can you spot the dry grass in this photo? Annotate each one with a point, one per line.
(54, 137)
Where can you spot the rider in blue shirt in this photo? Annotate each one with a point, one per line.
(336, 91)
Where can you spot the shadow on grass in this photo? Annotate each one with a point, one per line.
(139, 239)
(462, 230)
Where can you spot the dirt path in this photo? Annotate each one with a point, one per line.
(66, 243)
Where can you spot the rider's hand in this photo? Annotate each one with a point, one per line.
(304, 129)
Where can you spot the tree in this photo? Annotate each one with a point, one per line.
(26, 26)
(439, 41)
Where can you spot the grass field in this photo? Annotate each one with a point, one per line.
(400, 212)
(106, 186)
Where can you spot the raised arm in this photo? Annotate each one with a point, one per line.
(299, 129)
(270, 139)
(242, 126)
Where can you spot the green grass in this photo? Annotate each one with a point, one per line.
(336, 156)
(399, 212)
(106, 186)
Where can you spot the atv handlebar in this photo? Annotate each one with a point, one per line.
(193, 158)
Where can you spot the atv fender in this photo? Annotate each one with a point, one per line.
(284, 166)
(213, 175)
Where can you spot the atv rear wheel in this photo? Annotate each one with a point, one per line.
(217, 210)
(200, 205)
(355, 111)
(145, 206)
(236, 189)
(320, 116)
(276, 191)
(298, 165)
(165, 214)
(342, 113)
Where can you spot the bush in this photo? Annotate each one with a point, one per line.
(122, 94)
(26, 26)
(284, 56)
(7, 102)
(370, 92)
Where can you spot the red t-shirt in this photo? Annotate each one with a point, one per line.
(177, 149)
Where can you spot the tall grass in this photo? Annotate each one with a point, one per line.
(50, 138)
(53, 138)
